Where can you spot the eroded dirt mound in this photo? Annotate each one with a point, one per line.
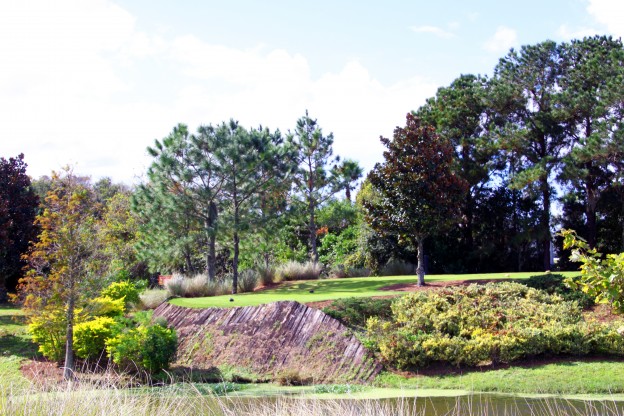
(269, 340)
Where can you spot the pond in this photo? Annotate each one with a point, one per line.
(468, 404)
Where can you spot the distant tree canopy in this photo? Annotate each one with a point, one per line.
(547, 125)
(472, 179)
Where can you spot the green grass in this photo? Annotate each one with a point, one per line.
(329, 289)
(570, 378)
(15, 346)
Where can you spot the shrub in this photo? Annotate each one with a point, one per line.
(197, 286)
(292, 378)
(90, 337)
(247, 281)
(48, 329)
(341, 271)
(267, 274)
(554, 283)
(483, 324)
(601, 278)
(175, 285)
(298, 271)
(150, 299)
(122, 290)
(397, 268)
(147, 347)
(106, 306)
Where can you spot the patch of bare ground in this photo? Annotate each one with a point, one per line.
(47, 375)
(601, 313)
(42, 372)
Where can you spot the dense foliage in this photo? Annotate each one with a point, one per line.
(144, 347)
(602, 278)
(18, 207)
(470, 180)
(484, 324)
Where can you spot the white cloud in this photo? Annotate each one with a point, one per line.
(80, 84)
(609, 13)
(566, 33)
(434, 30)
(504, 39)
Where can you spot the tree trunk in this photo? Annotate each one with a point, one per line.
(68, 370)
(590, 213)
(188, 261)
(211, 257)
(545, 223)
(235, 259)
(420, 270)
(348, 193)
(312, 229)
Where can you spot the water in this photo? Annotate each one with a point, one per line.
(483, 404)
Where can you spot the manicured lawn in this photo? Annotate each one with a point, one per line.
(573, 377)
(328, 289)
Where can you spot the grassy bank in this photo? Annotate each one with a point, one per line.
(15, 346)
(602, 378)
(329, 289)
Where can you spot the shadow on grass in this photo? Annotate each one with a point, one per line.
(19, 346)
(6, 320)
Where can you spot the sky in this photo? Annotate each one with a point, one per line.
(92, 83)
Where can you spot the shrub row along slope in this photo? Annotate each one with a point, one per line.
(488, 324)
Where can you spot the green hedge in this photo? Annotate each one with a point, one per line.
(485, 324)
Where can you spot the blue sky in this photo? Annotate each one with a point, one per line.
(93, 82)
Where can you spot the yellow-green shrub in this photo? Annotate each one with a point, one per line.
(106, 306)
(476, 325)
(122, 290)
(90, 337)
(48, 329)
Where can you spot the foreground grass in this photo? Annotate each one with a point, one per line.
(330, 289)
(15, 347)
(570, 378)
(188, 399)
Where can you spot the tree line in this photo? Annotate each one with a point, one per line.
(471, 180)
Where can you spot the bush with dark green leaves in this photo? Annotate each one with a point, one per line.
(485, 324)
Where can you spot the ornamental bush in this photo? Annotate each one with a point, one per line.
(48, 329)
(485, 324)
(123, 290)
(149, 348)
(90, 337)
